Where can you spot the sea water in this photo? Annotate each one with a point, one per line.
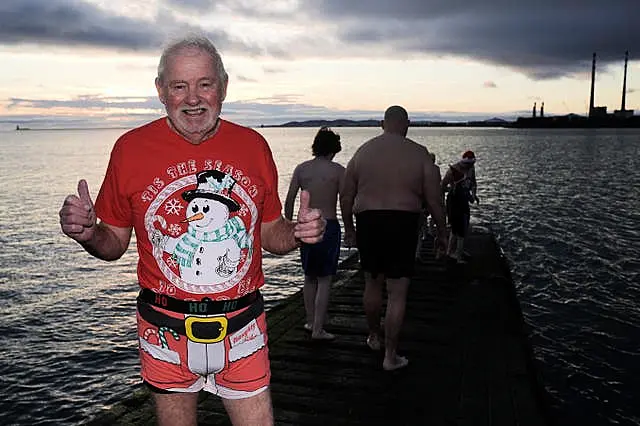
(563, 204)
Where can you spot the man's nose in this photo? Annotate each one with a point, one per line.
(192, 97)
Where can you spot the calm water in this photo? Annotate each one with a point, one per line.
(563, 204)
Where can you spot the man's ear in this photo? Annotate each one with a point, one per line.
(223, 92)
(160, 90)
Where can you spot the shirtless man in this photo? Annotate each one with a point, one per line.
(460, 183)
(386, 183)
(322, 178)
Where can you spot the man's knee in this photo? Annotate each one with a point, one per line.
(398, 287)
(256, 410)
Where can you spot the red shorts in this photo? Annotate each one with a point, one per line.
(234, 368)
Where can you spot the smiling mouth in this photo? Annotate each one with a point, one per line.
(194, 111)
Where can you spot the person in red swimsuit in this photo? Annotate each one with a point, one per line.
(201, 194)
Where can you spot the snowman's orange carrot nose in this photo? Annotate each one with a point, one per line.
(196, 216)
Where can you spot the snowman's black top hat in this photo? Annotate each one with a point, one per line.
(214, 185)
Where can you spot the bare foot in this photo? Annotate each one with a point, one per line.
(322, 335)
(399, 362)
(373, 341)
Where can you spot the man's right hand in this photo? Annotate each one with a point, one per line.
(78, 218)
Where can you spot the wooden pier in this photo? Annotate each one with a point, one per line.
(470, 361)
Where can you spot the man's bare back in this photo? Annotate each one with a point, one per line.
(389, 170)
(322, 178)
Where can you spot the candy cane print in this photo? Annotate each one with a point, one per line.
(163, 339)
(162, 221)
(149, 332)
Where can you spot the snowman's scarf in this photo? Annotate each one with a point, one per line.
(186, 249)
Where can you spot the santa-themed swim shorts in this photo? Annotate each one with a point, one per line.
(224, 354)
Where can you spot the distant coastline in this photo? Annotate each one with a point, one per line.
(21, 129)
(562, 121)
(570, 121)
(493, 122)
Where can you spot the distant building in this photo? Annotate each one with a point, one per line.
(626, 113)
(598, 112)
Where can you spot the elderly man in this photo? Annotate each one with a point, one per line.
(388, 180)
(201, 194)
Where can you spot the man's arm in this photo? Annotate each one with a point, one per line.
(294, 185)
(440, 180)
(474, 184)
(278, 236)
(446, 180)
(78, 221)
(109, 242)
(433, 194)
(348, 190)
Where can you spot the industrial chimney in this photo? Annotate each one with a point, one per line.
(624, 83)
(593, 85)
(624, 113)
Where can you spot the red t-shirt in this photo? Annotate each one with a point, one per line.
(196, 209)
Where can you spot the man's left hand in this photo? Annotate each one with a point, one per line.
(310, 225)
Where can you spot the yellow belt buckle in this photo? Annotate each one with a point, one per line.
(188, 324)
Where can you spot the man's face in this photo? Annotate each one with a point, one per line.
(191, 94)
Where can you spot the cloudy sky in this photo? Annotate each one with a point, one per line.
(93, 62)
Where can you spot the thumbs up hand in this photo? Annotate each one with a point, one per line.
(77, 216)
(310, 225)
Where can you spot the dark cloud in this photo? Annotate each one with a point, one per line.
(543, 38)
(77, 23)
(192, 5)
(272, 9)
(72, 22)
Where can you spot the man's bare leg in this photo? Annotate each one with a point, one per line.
(320, 309)
(372, 301)
(176, 409)
(253, 411)
(459, 253)
(397, 289)
(309, 291)
(451, 246)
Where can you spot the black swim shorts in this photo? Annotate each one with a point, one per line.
(386, 240)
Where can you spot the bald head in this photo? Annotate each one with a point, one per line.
(396, 120)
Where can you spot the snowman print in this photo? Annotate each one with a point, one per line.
(209, 252)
